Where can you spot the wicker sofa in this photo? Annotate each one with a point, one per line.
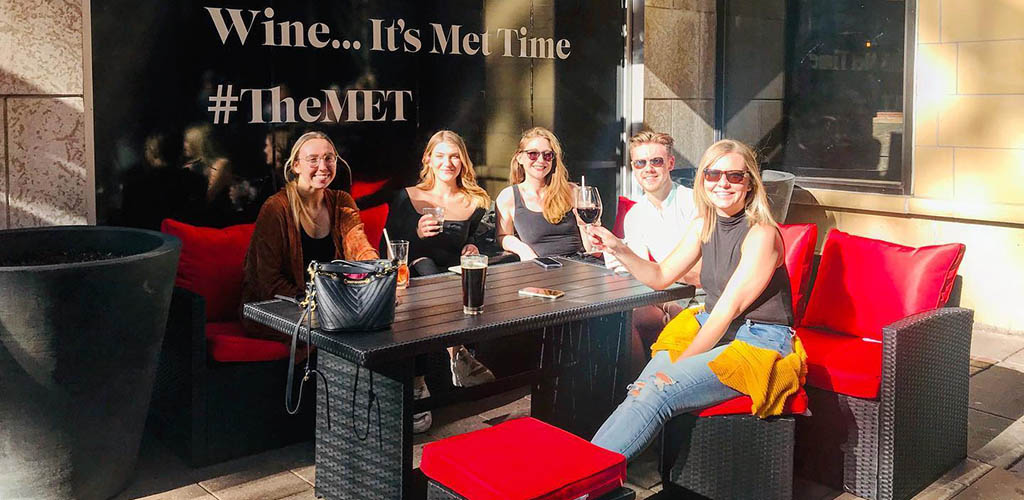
(219, 394)
(888, 368)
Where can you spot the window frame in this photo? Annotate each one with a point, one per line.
(904, 186)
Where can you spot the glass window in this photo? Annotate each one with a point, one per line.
(818, 86)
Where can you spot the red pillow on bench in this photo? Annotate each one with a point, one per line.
(865, 284)
(523, 459)
(211, 264)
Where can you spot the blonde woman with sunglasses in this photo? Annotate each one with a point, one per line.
(749, 311)
(535, 214)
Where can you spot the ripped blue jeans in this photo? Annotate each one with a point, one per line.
(665, 389)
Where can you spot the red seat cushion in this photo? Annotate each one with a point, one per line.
(620, 216)
(373, 223)
(226, 342)
(799, 240)
(795, 405)
(865, 284)
(841, 363)
(211, 264)
(523, 459)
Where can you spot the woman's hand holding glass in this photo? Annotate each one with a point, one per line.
(428, 226)
(470, 249)
(602, 240)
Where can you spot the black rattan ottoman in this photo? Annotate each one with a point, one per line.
(727, 456)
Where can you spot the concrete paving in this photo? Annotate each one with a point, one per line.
(993, 469)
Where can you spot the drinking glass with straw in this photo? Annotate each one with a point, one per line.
(398, 251)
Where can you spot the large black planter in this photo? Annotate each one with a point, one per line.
(78, 349)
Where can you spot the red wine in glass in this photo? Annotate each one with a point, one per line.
(589, 215)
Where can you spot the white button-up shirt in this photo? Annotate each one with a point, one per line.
(654, 231)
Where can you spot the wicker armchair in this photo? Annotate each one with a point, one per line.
(888, 368)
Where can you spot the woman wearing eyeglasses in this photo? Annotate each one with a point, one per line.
(535, 217)
(744, 339)
(303, 222)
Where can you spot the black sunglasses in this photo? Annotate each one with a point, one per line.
(533, 155)
(655, 162)
(733, 176)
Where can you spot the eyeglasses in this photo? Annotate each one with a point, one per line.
(533, 155)
(656, 162)
(313, 161)
(733, 176)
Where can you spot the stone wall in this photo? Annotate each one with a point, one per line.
(43, 167)
(679, 74)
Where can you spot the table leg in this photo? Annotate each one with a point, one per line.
(589, 362)
(367, 453)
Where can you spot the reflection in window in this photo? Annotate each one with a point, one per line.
(818, 85)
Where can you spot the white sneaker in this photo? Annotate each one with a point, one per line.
(420, 421)
(467, 371)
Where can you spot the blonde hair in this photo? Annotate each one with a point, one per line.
(558, 199)
(291, 186)
(651, 137)
(466, 181)
(756, 200)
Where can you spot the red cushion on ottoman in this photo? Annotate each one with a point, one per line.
(211, 264)
(226, 342)
(841, 363)
(523, 459)
(865, 284)
(795, 405)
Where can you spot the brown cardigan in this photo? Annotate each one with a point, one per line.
(273, 264)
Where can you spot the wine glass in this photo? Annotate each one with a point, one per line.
(588, 204)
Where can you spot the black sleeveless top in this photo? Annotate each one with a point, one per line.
(445, 248)
(543, 237)
(318, 249)
(721, 255)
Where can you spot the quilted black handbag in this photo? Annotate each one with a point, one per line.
(353, 296)
(347, 296)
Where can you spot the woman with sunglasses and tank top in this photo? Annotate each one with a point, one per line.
(749, 310)
(535, 216)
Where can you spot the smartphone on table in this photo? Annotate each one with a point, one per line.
(546, 293)
(547, 262)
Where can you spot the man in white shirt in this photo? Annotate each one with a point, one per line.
(656, 224)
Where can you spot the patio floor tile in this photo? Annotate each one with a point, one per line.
(999, 391)
(1014, 362)
(274, 487)
(982, 427)
(996, 484)
(307, 473)
(190, 492)
(994, 347)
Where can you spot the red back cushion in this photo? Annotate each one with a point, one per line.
(211, 264)
(373, 223)
(865, 284)
(364, 188)
(799, 240)
(523, 459)
(620, 216)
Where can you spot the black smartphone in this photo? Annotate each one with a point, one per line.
(547, 262)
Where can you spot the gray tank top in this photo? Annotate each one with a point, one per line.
(721, 255)
(545, 238)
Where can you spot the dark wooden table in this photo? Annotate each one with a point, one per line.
(367, 452)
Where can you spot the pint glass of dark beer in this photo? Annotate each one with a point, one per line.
(474, 275)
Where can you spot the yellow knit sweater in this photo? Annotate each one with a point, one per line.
(763, 374)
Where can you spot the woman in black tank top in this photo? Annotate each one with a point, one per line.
(748, 296)
(538, 176)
